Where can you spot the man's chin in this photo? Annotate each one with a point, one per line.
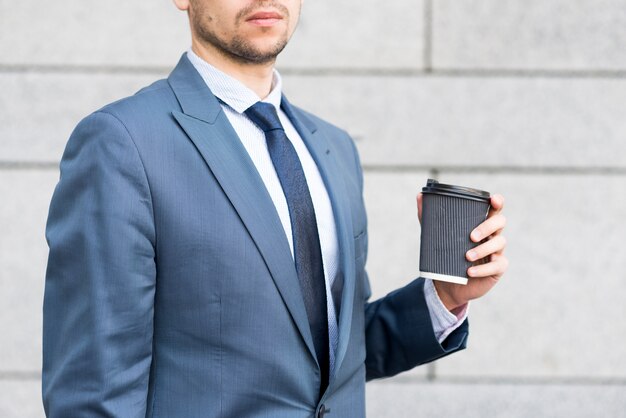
(258, 53)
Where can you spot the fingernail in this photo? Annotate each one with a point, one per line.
(470, 272)
(476, 235)
(471, 255)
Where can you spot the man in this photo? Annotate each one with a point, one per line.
(207, 251)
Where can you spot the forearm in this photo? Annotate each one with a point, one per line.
(399, 333)
(444, 322)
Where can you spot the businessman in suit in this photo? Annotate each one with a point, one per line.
(207, 249)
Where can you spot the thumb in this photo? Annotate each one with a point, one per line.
(419, 207)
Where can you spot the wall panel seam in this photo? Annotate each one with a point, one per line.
(333, 72)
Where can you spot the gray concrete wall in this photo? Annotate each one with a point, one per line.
(524, 98)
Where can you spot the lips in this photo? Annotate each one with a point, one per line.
(264, 18)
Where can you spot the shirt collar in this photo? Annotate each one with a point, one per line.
(232, 91)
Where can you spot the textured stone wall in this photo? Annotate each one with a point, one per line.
(524, 98)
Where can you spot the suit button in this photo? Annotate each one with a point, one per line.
(323, 411)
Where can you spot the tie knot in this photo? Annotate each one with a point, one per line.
(264, 116)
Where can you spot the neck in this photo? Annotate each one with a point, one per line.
(257, 77)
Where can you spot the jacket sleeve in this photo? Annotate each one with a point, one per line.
(100, 279)
(399, 332)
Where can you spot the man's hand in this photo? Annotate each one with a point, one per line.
(490, 262)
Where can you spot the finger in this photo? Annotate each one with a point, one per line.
(491, 226)
(496, 268)
(492, 246)
(497, 204)
(419, 206)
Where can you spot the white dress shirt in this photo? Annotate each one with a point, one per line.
(235, 99)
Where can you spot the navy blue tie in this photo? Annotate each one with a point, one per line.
(306, 243)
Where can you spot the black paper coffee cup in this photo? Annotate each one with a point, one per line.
(449, 214)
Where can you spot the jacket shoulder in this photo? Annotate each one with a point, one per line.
(150, 100)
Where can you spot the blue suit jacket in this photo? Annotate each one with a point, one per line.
(171, 290)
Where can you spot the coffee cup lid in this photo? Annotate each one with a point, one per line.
(434, 187)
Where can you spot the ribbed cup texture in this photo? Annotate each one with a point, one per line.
(446, 226)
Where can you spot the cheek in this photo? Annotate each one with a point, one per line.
(213, 13)
(293, 21)
(294, 12)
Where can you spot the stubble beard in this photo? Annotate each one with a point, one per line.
(243, 51)
(238, 48)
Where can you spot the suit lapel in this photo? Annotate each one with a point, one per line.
(212, 134)
(326, 161)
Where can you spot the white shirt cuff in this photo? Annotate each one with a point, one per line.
(444, 321)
